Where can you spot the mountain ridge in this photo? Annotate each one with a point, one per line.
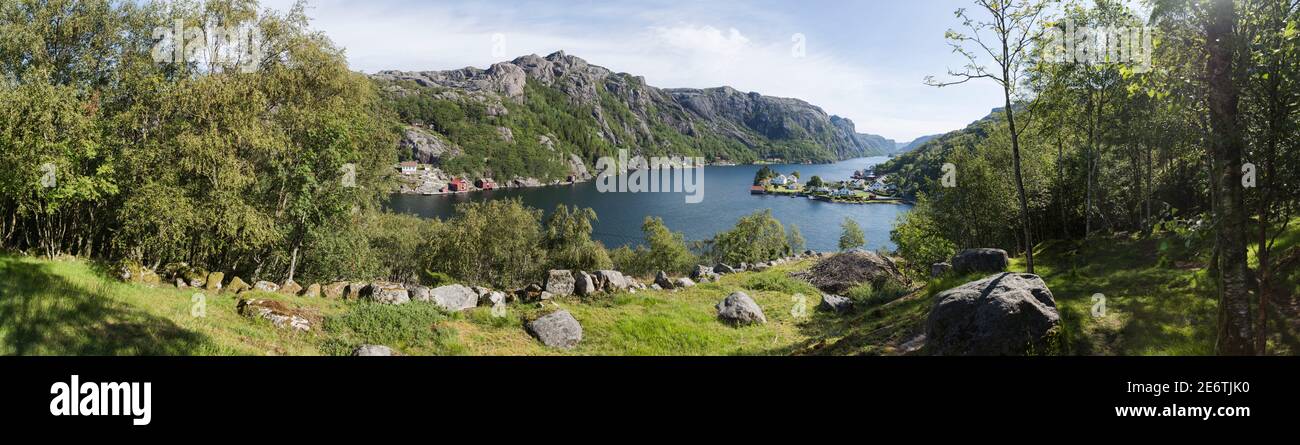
(548, 108)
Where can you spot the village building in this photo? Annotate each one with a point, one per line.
(408, 167)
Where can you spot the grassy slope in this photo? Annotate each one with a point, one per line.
(1159, 301)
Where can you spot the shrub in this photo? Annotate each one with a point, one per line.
(756, 238)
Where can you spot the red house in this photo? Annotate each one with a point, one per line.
(458, 185)
(485, 184)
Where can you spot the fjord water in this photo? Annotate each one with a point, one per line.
(726, 200)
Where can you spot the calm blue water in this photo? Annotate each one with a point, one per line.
(726, 200)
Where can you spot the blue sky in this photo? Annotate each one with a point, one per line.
(864, 60)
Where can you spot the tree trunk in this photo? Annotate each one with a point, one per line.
(1235, 335)
(1015, 157)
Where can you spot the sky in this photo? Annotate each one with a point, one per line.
(865, 60)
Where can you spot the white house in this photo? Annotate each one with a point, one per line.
(843, 192)
(409, 167)
(780, 180)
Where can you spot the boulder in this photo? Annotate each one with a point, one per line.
(290, 288)
(939, 269)
(237, 285)
(584, 284)
(373, 351)
(279, 314)
(612, 280)
(312, 291)
(180, 284)
(334, 290)
(703, 274)
(835, 303)
(420, 293)
(739, 309)
(214, 281)
(557, 330)
(664, 281)
(196, 277)
(353, 291)
(454, 298)
(492, 299)
(723, 269)
(1003, 314)
(980, 261)
(560, 282)
(266, 286)
(683, 283)
(531, 292)
(386, 293)
(839, 273)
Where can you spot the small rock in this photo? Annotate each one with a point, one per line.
(557, 330)
(683, 283)
(835, 303)
(214, 281)
(180, 284)
(664, 281)
(723, 269)
(312, 291)
(420, 293)
(703, 274)
(739, 309)
(939, 269)
(492, 299)
(276, 312)
(290, 288)
(266, 286)
(373, 351)
(237, 285)
(612, 281)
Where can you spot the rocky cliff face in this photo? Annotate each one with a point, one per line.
(623, 112)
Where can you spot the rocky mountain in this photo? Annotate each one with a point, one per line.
(527, 116)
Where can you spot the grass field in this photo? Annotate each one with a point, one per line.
(1158, 300)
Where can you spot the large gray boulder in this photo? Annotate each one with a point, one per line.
(386, 293)
(558, 330)
(612, 281)
(739, 309)
(723, 269)
(454, 298)
(1003, 314)
(980, 261)
(560, 282)
(584, 284)
(839, 273)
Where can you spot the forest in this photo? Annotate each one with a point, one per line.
(1199, 141)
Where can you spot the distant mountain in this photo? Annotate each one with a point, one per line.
(532, 116)
(909, 146)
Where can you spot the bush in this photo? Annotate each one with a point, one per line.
(756, 238)
(867, 295)
(920, 242)
(568, 241)
(495, 243)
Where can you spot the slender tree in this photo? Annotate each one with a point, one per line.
(1013, 27)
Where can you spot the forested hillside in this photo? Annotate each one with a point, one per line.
(1203, 145)
(526, 117)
